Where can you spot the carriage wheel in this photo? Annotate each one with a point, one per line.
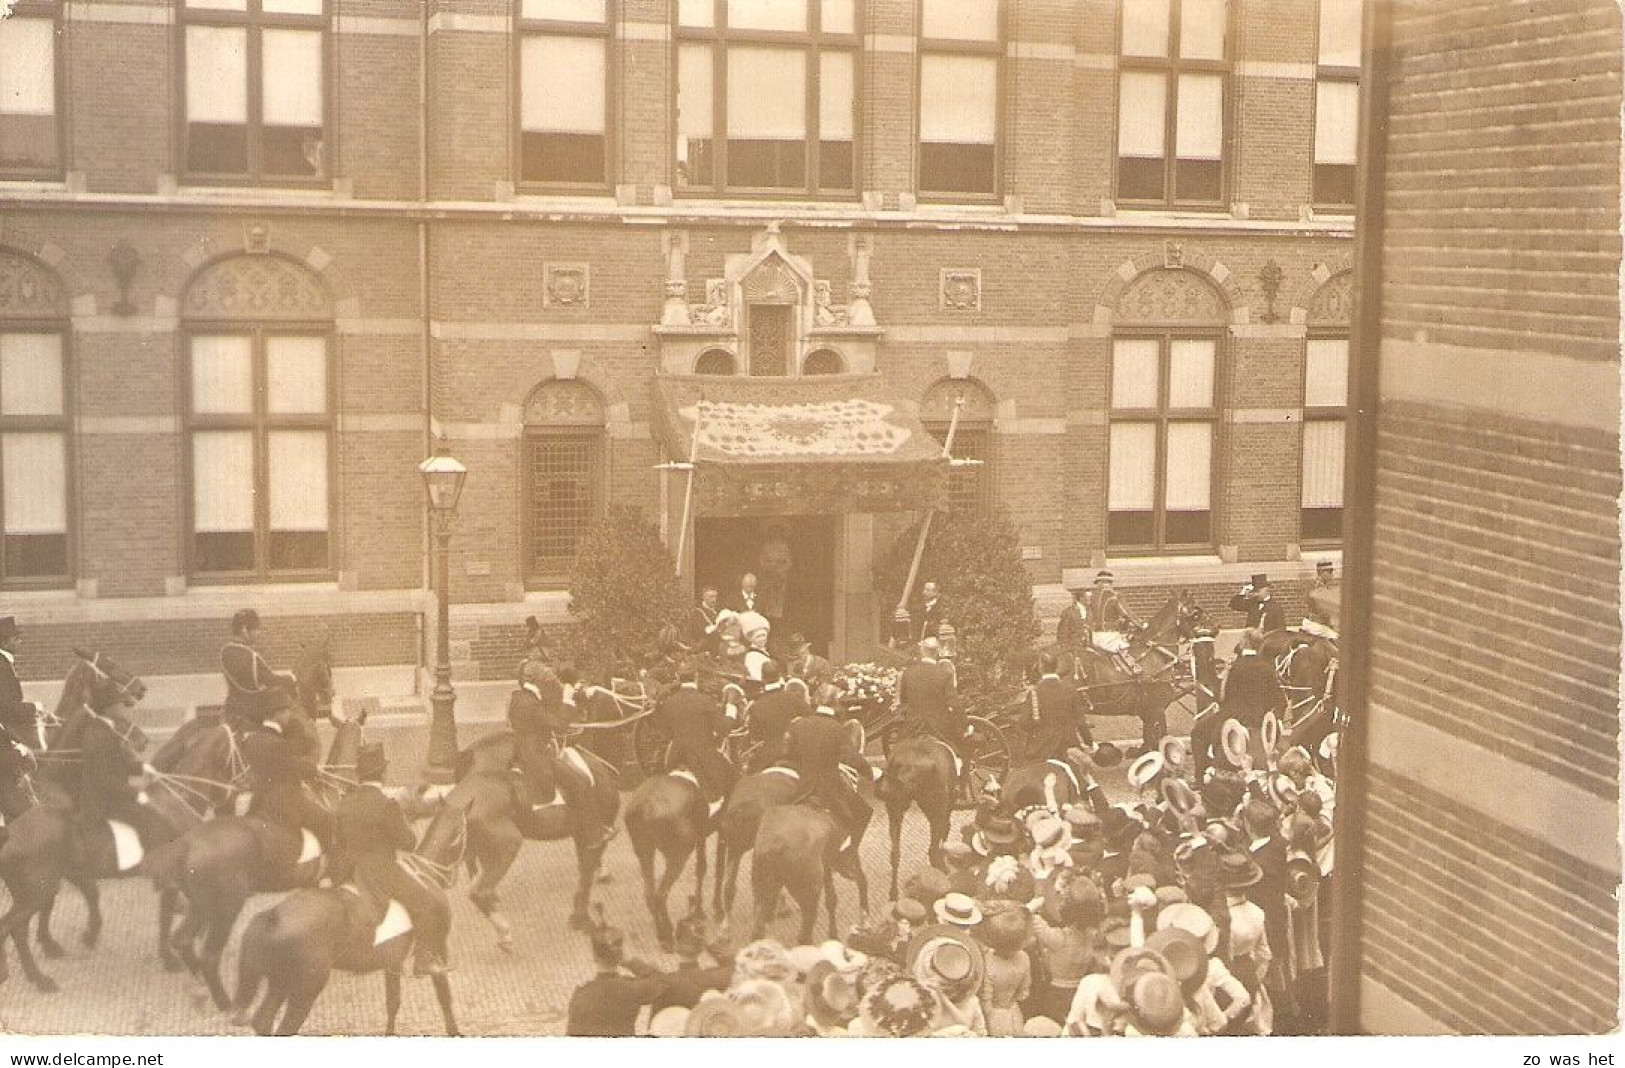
(650, 740)
(989, 755)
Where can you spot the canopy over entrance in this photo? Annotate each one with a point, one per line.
(784, 446)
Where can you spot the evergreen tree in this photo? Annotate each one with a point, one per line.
(974, 558)
(623, 593)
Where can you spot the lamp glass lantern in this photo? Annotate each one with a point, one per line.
(443, 477)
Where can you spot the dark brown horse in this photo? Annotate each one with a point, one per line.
(1304, 664)
(500, 821)
(736, 825)
(667, 817)
(51, 842)
(1112, 690)
(799, 850)
(919, 771)
(218, 865)
(293, 947)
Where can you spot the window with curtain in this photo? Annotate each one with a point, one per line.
(1164, 417)
(1325, 419)
(260, 433)
(563, 458)
(255, 76)
(564, 83)
(33, 459)
(1171, 102)
(767, 96)
(960, 45)
(1337, 103)
(30, 127)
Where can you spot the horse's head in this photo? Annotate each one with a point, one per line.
(105, 682)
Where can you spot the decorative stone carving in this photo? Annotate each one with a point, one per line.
(825, 312)
(29, 290)
(256, 287)
(716, 310)
(1170, 297)
(1334, 301)
(564, 403)
(961, 289)
(675, 311)
(772, 282)
(124, 261)
(861, 312)
(1269, 284)
(565, 286)
(256, 238)
(1173, 255)
(938, 405)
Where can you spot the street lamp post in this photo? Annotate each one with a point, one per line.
(443, 480)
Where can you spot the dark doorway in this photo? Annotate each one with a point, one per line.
(724, 549)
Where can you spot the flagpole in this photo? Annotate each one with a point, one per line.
(688, 490)
(925, 526)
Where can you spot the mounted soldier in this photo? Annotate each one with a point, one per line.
(928, 698)
(253, 692)
(372, 832)
(537, 715)
(278, 769)
(770, 717)
(696, 723)
(819, 747)
(20, 734)
(1111, 622)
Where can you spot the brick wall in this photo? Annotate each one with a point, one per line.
(1491, 858)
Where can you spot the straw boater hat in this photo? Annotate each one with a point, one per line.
(1145, 770)
(1175, 752)
(1178, 796)
(1156, 1004)
(945, 958)
(717, 1016)
(832, 995)
(958, 910)
(1236, 739)
(1040, 1027)
(1193, 920)
(1185, 953)
(1270, 731)
(1302, 878)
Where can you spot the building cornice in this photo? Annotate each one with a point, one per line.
(600, 211)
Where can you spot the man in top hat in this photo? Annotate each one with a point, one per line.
(1111, 621)
(1058, 714)
(928, 698)
(804, 665)
(929, 616)
(608, 1004)
(19, 719)
(1072, 631)
(696, 721)
(1255, 601)
(770, 717)
(817, 746)
(700, 628)
(371, 831)
(277, 773)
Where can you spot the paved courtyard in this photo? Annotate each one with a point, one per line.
(119, 988)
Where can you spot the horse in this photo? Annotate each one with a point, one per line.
(218, 865)
(293, 947)
(1306, 667)
(500, 820)
(799, 849)
(920, 770)
(668, 816)
(48, 842)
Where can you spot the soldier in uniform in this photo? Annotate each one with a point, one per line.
(817, 746)
(696, 722)
(928, 698)
(1056, 708)
(1072, 632)
(372, 829)
(1110, 621)
(537, 715)
(253, 691)
(277, 773)
(1256, 603)
(770, 717)
(18, 718)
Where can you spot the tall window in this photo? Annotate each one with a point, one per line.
(1163, 415)
(1337, 103)
(563, 89)
(960, 41)
(28, 116)
(1325, 414)
(969, 488)
(563, 476)
(260, 429)
(255, 90)
(1171, 102)
(766, 96)
(33, 458)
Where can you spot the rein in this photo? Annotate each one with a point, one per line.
(433, 874)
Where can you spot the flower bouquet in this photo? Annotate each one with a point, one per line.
(866, 689)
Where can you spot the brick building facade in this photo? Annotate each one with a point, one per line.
(1122, 237)
(1482, 640)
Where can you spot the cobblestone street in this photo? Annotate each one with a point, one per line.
(120, 988)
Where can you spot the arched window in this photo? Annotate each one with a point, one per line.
(823, 362)
(34, 440)
(259, 421)
(714, 362)
(1164, 413)
(563, 476)
(969, 488)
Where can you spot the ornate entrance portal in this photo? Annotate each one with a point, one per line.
(800, 596)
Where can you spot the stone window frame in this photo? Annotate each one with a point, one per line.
(718, 38)
(255, 21)
(1172, 66)
(978, 432)
(261, 423)
(1328, 74)
(532, 28)
(595, 438)
(51, 10)
(994, 50)
(1162, 416)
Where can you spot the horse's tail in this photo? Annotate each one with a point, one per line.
(254, 957)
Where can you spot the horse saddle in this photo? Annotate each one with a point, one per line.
(127, 847)
(385, 917)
